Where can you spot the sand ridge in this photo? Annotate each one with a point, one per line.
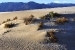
(27, 37)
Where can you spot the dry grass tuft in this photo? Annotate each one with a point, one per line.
(31, 16)
(9, 25)
(61, 20)
(52, 36)
(3, 22)
(8, 20)
(28, 20)
(15, 18)
(40, 25)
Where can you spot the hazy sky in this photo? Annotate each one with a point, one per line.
(40, 1)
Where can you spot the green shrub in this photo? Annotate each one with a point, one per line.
(51, 14)
(56, 14)
(9, 25)
(46, 17)
(43, 17)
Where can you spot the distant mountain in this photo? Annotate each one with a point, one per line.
(52, 5)
(18, 6)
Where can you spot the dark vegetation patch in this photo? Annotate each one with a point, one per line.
(61, 20)
(9, 25)
(28, 20)
(50, 15)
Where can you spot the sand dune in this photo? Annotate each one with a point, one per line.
(27, 37)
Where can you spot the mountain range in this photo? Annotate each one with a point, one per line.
(18, 6)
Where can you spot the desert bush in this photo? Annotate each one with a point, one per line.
(28, 20)
(8, 20)
(31, 16)
(43, 17)
(40, 25)
(61, 20)
(51, 14)
(56, 14)
(52, 36)
(3, 22)
(15, 18)
(46, 17)
(9, 25)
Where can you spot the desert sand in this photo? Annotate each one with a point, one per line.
(27, 37)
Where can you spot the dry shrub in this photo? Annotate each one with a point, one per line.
(28, 20)
(52, 36)
(31, 16)
(8, 20)
(40, 25)
(3, 22)
(61, 20)
(15, 18)
(9, 25)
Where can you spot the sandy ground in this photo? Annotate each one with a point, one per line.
(27, 37)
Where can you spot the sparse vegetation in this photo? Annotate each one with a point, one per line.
(9, 25)
(8, 20)
(61, 20)
(40, 25)
(50, 15)
(15, 18)
(46, 17)
(52, 36)
(31, 16)
(28, 20)
(56, 14)
(4, 22)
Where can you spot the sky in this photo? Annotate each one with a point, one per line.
(40, 1)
